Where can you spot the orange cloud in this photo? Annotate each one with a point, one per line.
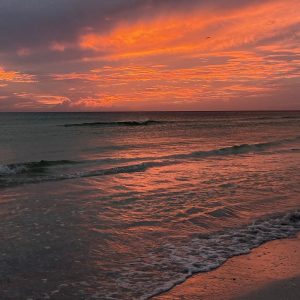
(198, 32)
(14, 76)
(237, 74)
(195, 56)
(175, 58)
(50, 100)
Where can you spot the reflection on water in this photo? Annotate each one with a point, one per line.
(131, 232)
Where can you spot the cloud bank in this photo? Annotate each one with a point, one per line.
(73, 55)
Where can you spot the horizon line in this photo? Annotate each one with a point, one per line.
(157, 111)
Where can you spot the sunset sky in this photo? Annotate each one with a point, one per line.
(88, 55)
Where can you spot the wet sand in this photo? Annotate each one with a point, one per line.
(271, 271)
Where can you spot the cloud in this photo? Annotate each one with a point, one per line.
(85, 55)
(16, 77)
(34, 23)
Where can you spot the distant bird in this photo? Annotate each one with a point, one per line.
(208, 37)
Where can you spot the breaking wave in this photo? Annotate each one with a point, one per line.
(36, 170)
(237, 149)
(207, 252)
(117, 123)
(31, 167)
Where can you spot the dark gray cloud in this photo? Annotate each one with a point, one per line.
(33, 23)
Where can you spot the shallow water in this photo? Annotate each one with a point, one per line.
(125, 205)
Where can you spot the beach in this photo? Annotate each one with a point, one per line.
(130, 205)
(271, 271)
(150, 150)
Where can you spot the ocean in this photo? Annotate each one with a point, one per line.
(127, 205)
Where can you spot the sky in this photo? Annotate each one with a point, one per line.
(129, 55)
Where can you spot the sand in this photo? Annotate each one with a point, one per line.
(271, 271)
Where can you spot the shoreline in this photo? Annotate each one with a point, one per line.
(271, 271)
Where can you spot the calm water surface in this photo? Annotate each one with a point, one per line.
(126, 205)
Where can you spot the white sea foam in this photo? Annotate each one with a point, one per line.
(11, 169)
(205, 253)
(173, 263)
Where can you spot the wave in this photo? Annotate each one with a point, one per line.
(38, 168)
(9, 180)
(117, 123)
(237, 149)
(207, 252)
(206, 122)
(268, 117)
(31, 167)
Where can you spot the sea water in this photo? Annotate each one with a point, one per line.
(126, 205)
